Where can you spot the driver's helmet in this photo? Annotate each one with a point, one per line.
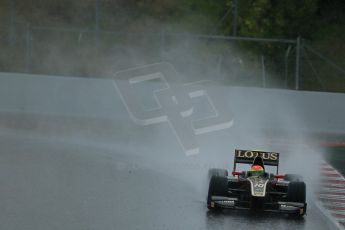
(256, 170)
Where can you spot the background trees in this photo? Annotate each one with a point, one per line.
(320, 22)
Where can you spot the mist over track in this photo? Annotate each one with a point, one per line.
(74, 159)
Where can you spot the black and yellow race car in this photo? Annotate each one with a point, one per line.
(257, 189)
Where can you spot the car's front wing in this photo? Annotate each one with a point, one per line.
(280, 207)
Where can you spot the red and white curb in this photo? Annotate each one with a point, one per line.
(332, 194)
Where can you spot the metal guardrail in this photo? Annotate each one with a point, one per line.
(327, 60)
(163, 36)
(296, 47)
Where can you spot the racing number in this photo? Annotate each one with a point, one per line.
(259, 185)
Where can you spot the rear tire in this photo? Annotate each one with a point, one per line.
(217, 172)
(218, 187)
(293, 177)
(297, 193)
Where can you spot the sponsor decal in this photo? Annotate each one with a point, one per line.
(258, 186)
(271, 156)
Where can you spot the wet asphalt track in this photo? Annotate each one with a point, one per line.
(49, 184)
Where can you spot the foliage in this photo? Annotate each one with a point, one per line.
(321, 22)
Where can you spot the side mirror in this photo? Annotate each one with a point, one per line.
(279, 176)
(236, 173)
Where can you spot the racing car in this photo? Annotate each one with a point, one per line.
(257, 189)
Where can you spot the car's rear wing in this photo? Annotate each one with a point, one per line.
(248, 156)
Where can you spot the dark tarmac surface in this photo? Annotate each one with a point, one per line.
(48, 184)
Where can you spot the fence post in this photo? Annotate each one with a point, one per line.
(287, 54)
(162, 44)
(28, 49)
(219, 66)
(97, 23)
(263, 71)
(298, 63)
(235, 16)
(12, 32)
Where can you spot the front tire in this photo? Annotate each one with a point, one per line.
(218, 187)
(297, 193)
